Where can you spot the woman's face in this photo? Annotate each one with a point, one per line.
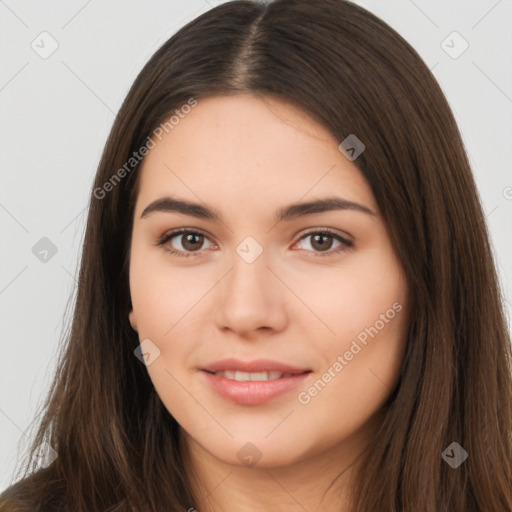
(315, 290)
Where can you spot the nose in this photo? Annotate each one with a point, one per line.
(251, 298)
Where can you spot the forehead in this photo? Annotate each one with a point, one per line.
(245, 148)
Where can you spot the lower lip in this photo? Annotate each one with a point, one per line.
(253, 392)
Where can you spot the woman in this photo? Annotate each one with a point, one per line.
(284, 198)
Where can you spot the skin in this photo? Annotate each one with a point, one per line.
(246, 157)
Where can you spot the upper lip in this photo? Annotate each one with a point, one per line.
(256, 365)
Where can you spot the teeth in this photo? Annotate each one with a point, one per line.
(255, 376)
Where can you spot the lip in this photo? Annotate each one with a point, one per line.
(256, 365)
(252, 392)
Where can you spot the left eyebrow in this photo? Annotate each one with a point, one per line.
(171, 204)
(320, 206)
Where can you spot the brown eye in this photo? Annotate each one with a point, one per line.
(184, 242)
(192, 241)
(321, 243)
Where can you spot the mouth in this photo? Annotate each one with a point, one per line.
(255, 382)
(241, 376)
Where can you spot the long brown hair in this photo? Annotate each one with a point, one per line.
(118, 447)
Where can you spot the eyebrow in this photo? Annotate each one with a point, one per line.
(293, 211)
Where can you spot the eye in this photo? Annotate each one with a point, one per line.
(190, 241)
(322, 241)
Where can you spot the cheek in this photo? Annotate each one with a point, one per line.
(361, 361)
(363, 307)
(162, 294)
(169, 305)
(163, 304)
(352, 297)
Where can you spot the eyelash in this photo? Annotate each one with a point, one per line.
(345, 244)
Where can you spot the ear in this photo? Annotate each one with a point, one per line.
(133, 320)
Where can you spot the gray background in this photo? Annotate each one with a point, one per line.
(56, 113)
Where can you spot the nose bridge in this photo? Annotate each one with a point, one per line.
(249, 272)
(249, 298)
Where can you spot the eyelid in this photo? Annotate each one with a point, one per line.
(344, 236)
